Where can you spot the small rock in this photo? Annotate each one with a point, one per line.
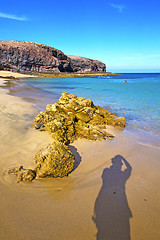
(26, 175)
(55, 160)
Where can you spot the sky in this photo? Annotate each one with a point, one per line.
(124, 34)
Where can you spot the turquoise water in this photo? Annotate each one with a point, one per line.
(138, 99)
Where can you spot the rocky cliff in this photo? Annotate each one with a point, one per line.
(86, 65)
(35, 57)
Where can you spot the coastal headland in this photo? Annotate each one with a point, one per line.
(39, 58)
(113, 181)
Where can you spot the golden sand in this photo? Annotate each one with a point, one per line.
(14, 74)
(112, 194)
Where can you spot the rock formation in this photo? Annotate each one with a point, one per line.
(35, 57)
(26, 175)
(70, 118)
(86, 65)
(55, 160)
(74, 117)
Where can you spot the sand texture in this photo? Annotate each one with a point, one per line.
(14, 74)
(113, 192)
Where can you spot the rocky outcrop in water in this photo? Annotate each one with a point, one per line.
(70, 118)
(74, 117)
(35, 57)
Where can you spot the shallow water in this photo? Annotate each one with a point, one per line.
(138, 99)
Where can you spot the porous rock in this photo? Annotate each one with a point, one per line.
(26, 175)
(70, 118)
(74, 117)
(55, 160)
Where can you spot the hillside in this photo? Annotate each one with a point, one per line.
(35, 57)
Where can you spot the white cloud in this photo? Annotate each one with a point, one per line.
(10, 16)
(119, 7)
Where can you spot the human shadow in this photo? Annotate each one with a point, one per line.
(111, 211)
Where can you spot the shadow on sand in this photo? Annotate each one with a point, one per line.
(111, 211)
(78, 158)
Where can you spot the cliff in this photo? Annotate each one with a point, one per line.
(35, 57)
(86, 65)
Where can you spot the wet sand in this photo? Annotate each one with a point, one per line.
(113, 193)
(38, 97)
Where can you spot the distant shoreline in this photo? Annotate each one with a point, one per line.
(15, 75)
(70, 75)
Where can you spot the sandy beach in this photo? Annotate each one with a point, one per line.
(112, 194)
(14, 74)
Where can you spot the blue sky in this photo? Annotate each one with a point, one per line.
(125, 35)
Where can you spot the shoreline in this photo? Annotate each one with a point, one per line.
(16, 118)
(15, 75)
(71, 75)
(41, 98)
(64, 208)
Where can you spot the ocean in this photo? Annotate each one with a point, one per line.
(138, 100)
